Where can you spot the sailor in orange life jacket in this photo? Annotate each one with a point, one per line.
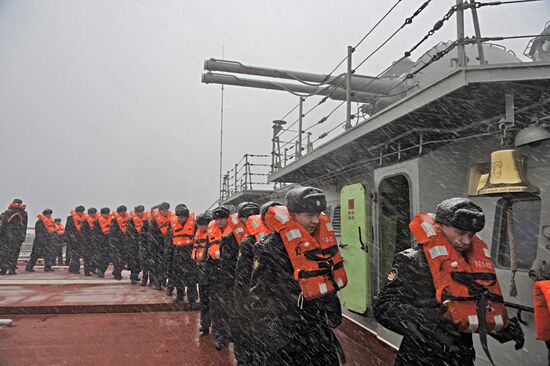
(43, 244)
(12, 235)
(117, 241)
(158, 229)
(182, 270)
(135, 233)
(296, 274)
(101, 235)
(89, 251)
(217, 229)
(74, 238)
(436, 293)
(200, 256)
(59, 242)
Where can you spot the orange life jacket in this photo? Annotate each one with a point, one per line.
(215, 238)
(199, 246)
(17, 205)
(59, 228)
(237, 227)
(183, 234)
(256, 227)
(91, 219)
(78, 219)
(462, 283)
(138, 221)
(163, 223)
(317, 263)
(542, 309)
(122, 221)
(105, 223)
(48, 223)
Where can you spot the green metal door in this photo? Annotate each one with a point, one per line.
(354, 246)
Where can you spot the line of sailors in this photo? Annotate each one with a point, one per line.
(267, 276)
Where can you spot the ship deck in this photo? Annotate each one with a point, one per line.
(66, 319)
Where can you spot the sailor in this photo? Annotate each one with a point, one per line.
(101, 236)
(74, 238)
(43, 244)
(200, 256)
(59, 241)
(135, 234)
(89, 250)
(13, 232)
(217, 229)
(296, 274)
(182, 270)
(158, 229)
(117, 240)
(249, 214)
(435, 293)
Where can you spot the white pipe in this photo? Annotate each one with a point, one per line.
(6, 322)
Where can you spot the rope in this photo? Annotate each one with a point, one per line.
(513, 250)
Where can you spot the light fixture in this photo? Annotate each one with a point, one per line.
(531, 134)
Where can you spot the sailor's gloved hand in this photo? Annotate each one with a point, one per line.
(512, 332)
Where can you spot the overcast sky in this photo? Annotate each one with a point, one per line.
(101, 102)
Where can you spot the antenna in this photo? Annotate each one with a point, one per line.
(221, 134)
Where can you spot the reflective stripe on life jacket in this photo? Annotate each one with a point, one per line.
(59, 229)
(17, 214)
(317, 263)
(122, 220)
(199, 246)
(48, 223)
(542, 309)
(215, 238)
(256, 227)
(464, 285)
(105, 223)
(237, 227)
(183, 234)
(163, 222)
(78, 219)
(138, 221)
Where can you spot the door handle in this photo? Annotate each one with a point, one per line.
(342, 245)
(363, 247)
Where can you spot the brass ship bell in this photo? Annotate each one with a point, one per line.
(506, 175)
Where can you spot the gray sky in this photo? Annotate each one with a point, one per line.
(101, 101)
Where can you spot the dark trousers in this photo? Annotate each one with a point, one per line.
(58, 258)
(74, 264)
(204, 291)
(69, 253)
(34, 258)
(88, 264)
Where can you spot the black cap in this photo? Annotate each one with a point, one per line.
(18, 201)
(220, 213)
(57, 220)
(164, 206)
(267, 205)
(182, 210)
(79, 209)
(306, 199)
(47, 211)
(245, 209)
(92, 210)
(121, 209)
(203, 219)
(460, 213)
(105, 210)
(139, 208)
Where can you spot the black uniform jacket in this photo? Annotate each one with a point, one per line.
(43, 244)
(407, 305)
(88, 245)
(289, 331)
(14, 226)
(73, 237)
(117, 242)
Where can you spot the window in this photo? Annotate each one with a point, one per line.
(526, 221)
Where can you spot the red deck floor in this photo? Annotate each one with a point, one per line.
(105, 322)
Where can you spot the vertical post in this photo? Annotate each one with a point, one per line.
(221, 134)
(300, 121)
(348, 90)
(460, 33)
(286, 149)
(236, 184)
(309, 144)
(477, 29)
(246, 171)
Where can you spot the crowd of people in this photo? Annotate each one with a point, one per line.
(268, 276)
(231, 261)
